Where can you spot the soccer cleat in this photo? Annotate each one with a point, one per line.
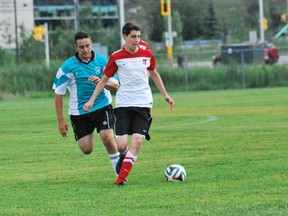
(119, 163)
(120, 184)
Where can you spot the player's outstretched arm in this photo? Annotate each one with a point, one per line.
(160, 85)
(100, 85)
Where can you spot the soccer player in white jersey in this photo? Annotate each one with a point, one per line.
(79, 75)
(134, 96)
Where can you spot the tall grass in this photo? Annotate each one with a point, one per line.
(27, 78)
(224, 77)
(233, 144)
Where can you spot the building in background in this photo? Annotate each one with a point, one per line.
(14, 13)
(56, 13)
(66, 13)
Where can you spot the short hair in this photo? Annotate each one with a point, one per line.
(130, 26)
(80, 35)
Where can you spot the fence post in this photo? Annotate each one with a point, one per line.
(242, 69)
(186, 79)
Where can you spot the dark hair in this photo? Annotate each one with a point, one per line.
(80, 35)
(130, 26)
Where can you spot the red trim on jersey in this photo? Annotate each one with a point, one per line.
(144, 45)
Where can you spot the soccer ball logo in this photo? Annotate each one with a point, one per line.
(175, 172)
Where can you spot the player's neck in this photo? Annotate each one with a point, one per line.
(131, 50)
(85, 58)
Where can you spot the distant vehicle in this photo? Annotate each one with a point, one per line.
(271, 53)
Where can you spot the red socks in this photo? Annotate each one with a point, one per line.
(126, 167)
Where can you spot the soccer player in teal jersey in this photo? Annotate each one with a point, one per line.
(79, 75)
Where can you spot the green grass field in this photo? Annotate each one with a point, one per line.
(233, 144)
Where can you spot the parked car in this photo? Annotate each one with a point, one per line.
(271, 53)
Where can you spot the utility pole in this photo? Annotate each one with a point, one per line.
(121, 19)
(47, 55)
(76, 15)
(287, 12)
(16, 34)
(170, 39)
(261, 18)
(165, 7)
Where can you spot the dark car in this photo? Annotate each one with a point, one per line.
(271, 53)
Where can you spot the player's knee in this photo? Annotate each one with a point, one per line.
(86, 152)
(109, 141)
(123, 148)
(86, 149)
(140, 137)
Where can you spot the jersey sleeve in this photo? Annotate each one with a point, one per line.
(60, 82)
(144, 45)
(111, 67)
(152, 62)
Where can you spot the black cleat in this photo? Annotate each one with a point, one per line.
(120, 184)
(119, 163)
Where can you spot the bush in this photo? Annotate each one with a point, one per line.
(7, 57)
(27, 78)
(224, 77)
(38, 78)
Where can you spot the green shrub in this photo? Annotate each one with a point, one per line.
(28, 78)
(7, 57)
(224, 77)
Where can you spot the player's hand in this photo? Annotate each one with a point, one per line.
(94, 79)
(63, 128)
(87, 106)
(170, 101)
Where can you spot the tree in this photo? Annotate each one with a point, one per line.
(30, 50)
(211, 24)
(98, 33)
(177, 26)
(191, 16)
(157, 24)
(61, 43)
(224, 29)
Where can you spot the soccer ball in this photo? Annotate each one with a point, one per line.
(175, 172)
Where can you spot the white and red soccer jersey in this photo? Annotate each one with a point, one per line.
(131, 69)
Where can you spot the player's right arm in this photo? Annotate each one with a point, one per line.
(62, 124)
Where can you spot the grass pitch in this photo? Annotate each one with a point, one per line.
(233, 144)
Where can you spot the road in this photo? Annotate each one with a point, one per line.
(282, 60)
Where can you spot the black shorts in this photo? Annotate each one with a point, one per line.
(130, 120)
(85, 124)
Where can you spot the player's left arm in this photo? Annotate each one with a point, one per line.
(160, 85)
